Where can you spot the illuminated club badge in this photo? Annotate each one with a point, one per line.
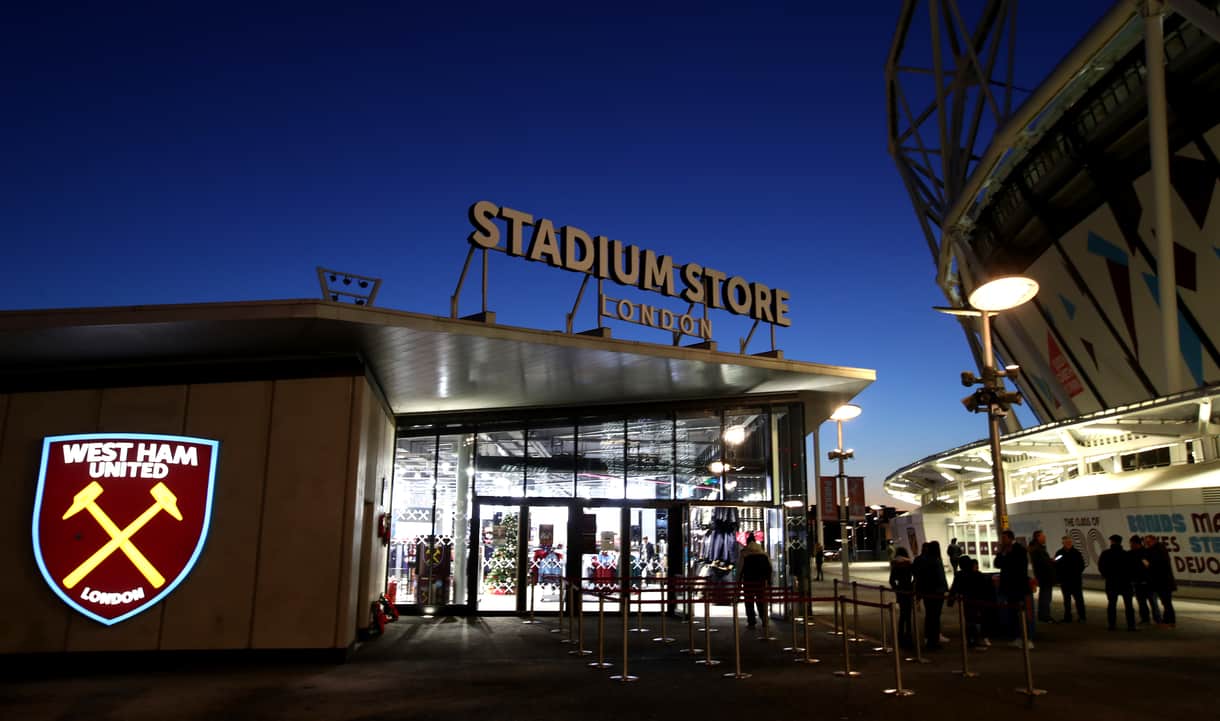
(120, 518)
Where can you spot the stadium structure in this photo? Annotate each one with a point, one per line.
(1100, 184)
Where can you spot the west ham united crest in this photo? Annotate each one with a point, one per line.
(120, 518)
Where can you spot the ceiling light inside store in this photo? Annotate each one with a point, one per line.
(716, 467)
(734, 435)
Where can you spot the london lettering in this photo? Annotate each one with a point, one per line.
(573, 249)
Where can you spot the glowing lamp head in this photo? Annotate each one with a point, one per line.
(734, 435)
(1004, 293)
(845, 412)
(716, 468)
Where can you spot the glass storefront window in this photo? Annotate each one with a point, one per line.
(601, 458)
(500, 466)
(431, 509)
(650, 458)
(697, 447)
(737, 459)
(747, 455)
(551, 461)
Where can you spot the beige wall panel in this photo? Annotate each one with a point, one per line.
(377, 454)
(383, 467)
(301, 539)
(36, 619)
(155, 409)
(213, 606)
(354, 509)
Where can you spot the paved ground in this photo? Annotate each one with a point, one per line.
(498, 668)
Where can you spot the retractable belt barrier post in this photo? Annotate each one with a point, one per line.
(639, 609)
(707, 630)
(580, 626)
(765, 613)
(965, 671)
(625, 605)
(807, 659)
(916, 631)
(884, 647)
(836, 631)
(855, 612)
(533, 586)
(790, 609)
(571, 637)
(563, 583)
(1029, 689)
(846, 672)
(706, 587)
(663, 638)
(898, 690)
(688, 588)
(602, 631)
(736, 648)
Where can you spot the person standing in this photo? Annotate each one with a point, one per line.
(1013, 562)
(1069, 568)
(1161, 580)
(818, 559)
(903, 585)
(954, 552)
(975, 591)
(1115, 566)
(931, 586)
(755, 577)
(1044, 573)
(650, 558)
(1139, 581)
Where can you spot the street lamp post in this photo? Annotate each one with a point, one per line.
(845, 412)
(992, 398)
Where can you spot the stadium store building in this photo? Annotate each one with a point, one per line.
(255, 475)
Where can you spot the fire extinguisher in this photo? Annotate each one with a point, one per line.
(389, 610)
(383, 528)
(377, 619)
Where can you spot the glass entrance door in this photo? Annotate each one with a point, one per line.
(498, 580)
(601, 547)
(546, 553)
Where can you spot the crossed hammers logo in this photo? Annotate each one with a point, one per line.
(120, 538)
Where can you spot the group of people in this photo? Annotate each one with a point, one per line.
(1142, 572)
(993, 602)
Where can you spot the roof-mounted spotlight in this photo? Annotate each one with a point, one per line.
(337, 287)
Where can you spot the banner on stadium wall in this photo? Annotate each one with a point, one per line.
(1191, 534)
(828, 498)
(855, 498)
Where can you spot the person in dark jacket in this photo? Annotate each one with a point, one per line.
(1115, 567)
(755, 577)
(1139, 582)
(1160, 578)
(901, 580)
(1044, 572)
(930, 586)
(1069, 567)
(954, 552)
(974, 591)
(1013, 562)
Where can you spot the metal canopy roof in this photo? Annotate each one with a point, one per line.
(423, 363)
(1037, 458)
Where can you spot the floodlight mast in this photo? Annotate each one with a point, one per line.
(844, 412)
(999, 294)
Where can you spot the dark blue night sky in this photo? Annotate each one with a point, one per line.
(171, 153)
